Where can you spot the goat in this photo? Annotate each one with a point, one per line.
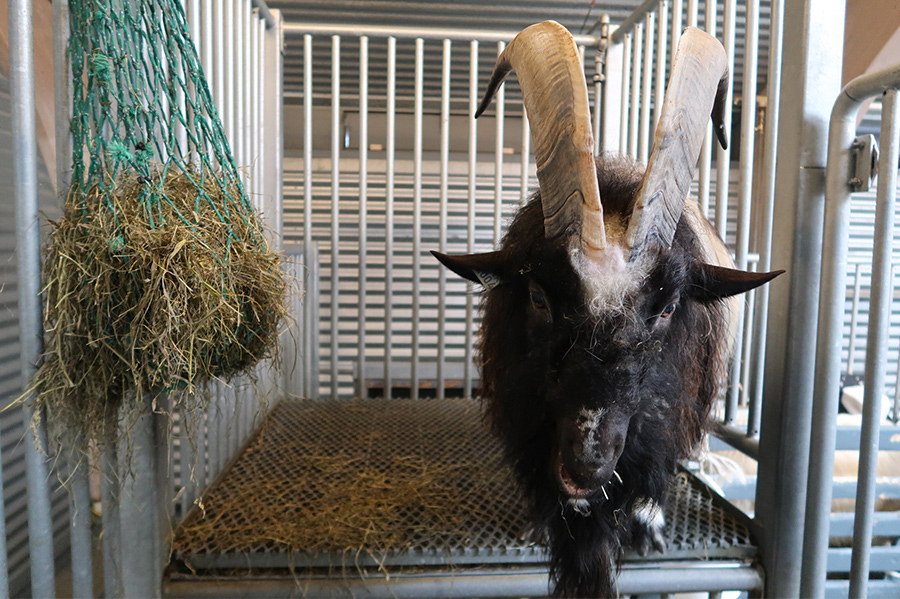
(605, 329)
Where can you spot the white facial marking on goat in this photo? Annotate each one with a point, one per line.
(588, 421)
(581, 506)
(608, 277)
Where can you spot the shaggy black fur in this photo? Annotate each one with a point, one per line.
(544, 357)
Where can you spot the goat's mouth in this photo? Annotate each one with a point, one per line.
(567, 484)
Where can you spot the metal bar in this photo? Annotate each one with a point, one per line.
(723, 156)
(442, 226)
(335, 206)
(626, 95)
(307, 213)
(706, 149)
(80, 497)
(218, 78)
(28, 270)
(631, 21)
(500, 104)
(598, 103)
(828, 348)
(878, 338)
(259, 122)
(389, 215)
(662, 24)
(767, 205)
(141, 570)
(363, 207)
(470, 223)
(417, 215)
(895, 415)
(237, 143)
(264, 13)
(110, 493)
(737, 438)
(188, 459)
(248, 99)
(227, 111)
(677, 11)
(854, 319)
(428, 33)
(645, 132)
(692, 13)
(634, 116)
(745, 187)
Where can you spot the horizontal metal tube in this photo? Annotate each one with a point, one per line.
(264, 13)
(634, 18)
(737, 438)
(428, 33)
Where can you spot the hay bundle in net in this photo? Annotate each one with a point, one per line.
(158, 277)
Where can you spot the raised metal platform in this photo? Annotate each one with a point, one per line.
(377, 490)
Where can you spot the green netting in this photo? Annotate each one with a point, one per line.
(158, 277)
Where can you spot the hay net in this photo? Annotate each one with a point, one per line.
(158, 277)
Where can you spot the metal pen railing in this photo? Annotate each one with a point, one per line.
(401, 192)
(840, 184)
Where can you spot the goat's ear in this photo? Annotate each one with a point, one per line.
(485, 269)
(716, 282)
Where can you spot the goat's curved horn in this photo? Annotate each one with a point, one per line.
(695, 91)
(551, 75)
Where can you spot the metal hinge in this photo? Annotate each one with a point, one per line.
(865, 168)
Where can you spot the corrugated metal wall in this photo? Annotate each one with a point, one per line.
(12, 427)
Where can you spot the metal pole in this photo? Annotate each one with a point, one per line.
(634, 115)
(335, 206)
(878, 338)
(500, 104)
(767, 202)
(810, 76)
(240, 122)
(389, 214)
(417, 215)
(723, 156)
(442, 243)
(662, 26)
(308, 308)
(110, 494)
(526, 159)
(28, 267)
(470, 237)
(706, 148)
(831, 308)
(626, 95)
(645, 136)
(363, 206)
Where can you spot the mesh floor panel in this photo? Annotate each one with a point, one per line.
(399, 482)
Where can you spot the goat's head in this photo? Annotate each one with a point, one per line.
(593, 308)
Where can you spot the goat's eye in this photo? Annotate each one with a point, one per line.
(667, 311)
(538, 300)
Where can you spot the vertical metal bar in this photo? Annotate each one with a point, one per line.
(662, 25)
(878, 339)
(389, 215)
(526, 159)
(470, 236)
(80, 499)
(706, 148)
(260, 122)
(240, 123)
(767, 203)
(248, 100)
(219, 56)
(141, 570)
(206, 34)
(723, 157)
(308, 340)
(500, 104)
(227, 111)
(745, 187)
(598, 100)
(28, 269)
(417, 214)
(645, 132)
(749, 314)
(677, 11)
(854, 319)
(335, 206)
(442, 226)
(188, 460)
(895, 414)
(626, 94)
(363, 206)
(110, 493)
(692, 13)
(636, 62)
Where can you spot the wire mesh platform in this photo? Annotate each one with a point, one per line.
(403, 484)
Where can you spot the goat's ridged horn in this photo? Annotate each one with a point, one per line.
(551, 75)
(694, 93)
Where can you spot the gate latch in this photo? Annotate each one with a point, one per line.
(865, 170)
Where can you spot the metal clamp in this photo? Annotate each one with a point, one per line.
(865, 158)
